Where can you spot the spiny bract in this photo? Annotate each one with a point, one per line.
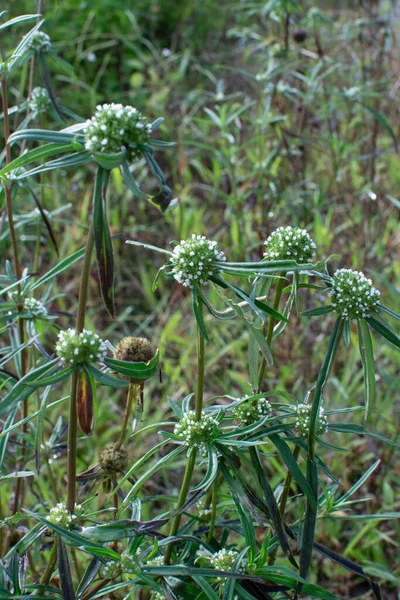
(78, 348)
(193, 260)
(289, 243)
(116, 128)
(353, 295)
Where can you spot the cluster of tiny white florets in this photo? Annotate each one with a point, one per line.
(35, 307)
(59, 515)
(290, 243)
(157, 596)
(126, 565)
(353, 295)
(251, 411)
(77, 348)
(116, 128)
(39, 42)
(302, 422)
(196, 433)
(224, 560)
(39, 101)
(157, 561)
(202, 511)
(193, 260)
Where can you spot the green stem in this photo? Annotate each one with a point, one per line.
(287, 484)
(132, 394)
(50, 565)
(214, 495)
(73, 421)
(192, 456)
(270, 330)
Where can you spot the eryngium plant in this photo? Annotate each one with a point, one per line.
(222, 528)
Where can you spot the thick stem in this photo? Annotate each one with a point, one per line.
(192, 457)
(270, 330)
(50, 565)
(73, 421)
(132, 394)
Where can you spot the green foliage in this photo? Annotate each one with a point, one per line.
(223, 477)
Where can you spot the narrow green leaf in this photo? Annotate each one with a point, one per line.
(368, 363)
(315, 312)
(271, 502)
(384, 330)
(64, 571)
(198, 313)
(102, 241)
(86, 401)
(294, 468)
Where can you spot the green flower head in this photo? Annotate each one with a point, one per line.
(39, 42)
(289, 243)
(115, 128)
(249, 412)
(193, 260)
(59, 515)
(197, 433)
(303, 412)
(353, 295)
(79, 348)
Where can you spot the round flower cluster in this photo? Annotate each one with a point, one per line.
(113, 460)
(39, 42)
(303, 412)
(35, 307)
(77, 348)
(39, 101)
(114, 568)
(157, 596)
(59, 515)
(157, 561)
(252, 411)
(134, 349)
(289, 243)
(193, 260)
(224, 560)
(196, 433)
(116, 128)
(353, 295)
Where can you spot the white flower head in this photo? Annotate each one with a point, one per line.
(78, 348)
(224, 560)
(290, 243)
(39, 101)
(196, 259)
(303, 412)
(59, 515)
(197, 433)
(35, 307)
(115, 128)
(353, 295)
(249, 412)
(39, 42)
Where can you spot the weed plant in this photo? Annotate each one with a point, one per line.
(191, 402)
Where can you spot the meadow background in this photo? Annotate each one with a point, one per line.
(283, 113)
